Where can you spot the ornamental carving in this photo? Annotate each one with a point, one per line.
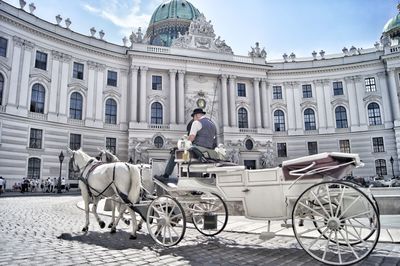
(257, 52)
(201, 36)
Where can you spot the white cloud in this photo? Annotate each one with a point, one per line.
(123, 14)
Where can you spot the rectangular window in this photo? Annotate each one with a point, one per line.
(277, 92)
(3, 46)
(111, 145)
(156, 83)
(312, 147)
(307, 92)
(35, 140)
(344, 145)
(337, 88)
(378, 144)
(41, 60)
(78, 71)
(74, 141)
(370, 84)
(241, 90)
(281, 147)
(380, 166)
(112, 78)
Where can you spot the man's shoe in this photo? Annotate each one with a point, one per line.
(161, 178)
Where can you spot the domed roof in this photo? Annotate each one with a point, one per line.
(174, 9)
(169, 20)
(393, 23)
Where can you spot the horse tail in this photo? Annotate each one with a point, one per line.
(134, 190)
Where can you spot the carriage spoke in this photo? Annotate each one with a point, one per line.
(312, 230)
(327, 244)
(320, 204)
(307, 207)
(350, 246)
(351, 205)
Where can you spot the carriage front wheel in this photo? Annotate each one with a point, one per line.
(336, 223)
(209, 214)
(166, 221)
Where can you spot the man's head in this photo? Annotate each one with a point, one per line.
(197, 113)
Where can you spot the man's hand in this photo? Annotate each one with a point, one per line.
(191, 137)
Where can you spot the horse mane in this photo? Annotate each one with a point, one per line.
(85, 156)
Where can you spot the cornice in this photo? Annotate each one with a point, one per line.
(278, 105)
(4, 65)
(340, 101)
(112, 93)
(372, 98)
(40, 76)
(325, 69)
(77, 85)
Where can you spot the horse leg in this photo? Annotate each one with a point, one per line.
(86, 227)
(121, 211)
(134, 224)
(94, 210)
(113, 206)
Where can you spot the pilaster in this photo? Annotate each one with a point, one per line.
(143, 94)
(172, 97)
(181, 96)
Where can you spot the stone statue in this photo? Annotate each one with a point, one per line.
(267, 159)
(257, 52)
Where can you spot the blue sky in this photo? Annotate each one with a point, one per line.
(281, 26)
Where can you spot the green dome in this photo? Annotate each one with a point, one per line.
(393, 24)
(169, 19)
(174, 9)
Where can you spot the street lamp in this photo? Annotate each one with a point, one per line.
(61, 159)
(391, 162)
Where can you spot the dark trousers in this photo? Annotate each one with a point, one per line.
(170, 165)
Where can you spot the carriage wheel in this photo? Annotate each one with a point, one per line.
(210, 214)
(340, 223)
(166, 221)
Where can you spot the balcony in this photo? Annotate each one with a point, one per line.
(37, 116)
(248, 130)
(158, 126)
(76, 122)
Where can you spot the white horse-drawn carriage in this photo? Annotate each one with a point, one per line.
(334, 221)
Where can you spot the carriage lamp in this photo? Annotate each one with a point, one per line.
(391, 162)
(61, 159)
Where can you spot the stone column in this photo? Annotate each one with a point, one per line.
(63, 91)
(394, 98)
(100, 104)
(55, 69)
(134, 94)
(353, 109)
(327, 90)
(181, 96)
(291, 117)
(298, 115)
(383, 88)
(123, 108)
(232, 102)
(265, 104)
(143, 94)
(224, 100)
(24, 82)
(360, 92)
(91, 95)
(172, 96)
(320, 95)
(257, 106)
(14, 77)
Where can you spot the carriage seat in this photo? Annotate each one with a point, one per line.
(197, 155)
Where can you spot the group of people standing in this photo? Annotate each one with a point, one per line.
(50, 185)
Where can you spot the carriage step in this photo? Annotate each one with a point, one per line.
(286, 225)
(267, 235)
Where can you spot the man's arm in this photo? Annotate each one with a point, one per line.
(196, 126)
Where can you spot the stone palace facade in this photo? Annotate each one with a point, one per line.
(59, 88)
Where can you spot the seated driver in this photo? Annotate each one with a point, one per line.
(203, 135)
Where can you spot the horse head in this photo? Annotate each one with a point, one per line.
(80, 159)
(107, 157)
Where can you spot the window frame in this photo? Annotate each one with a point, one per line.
(3, 46)
(307, 91)
(344, 146)
(73, 143)
(111, 80)
(73, 109)
(156, 113)
(77, 72)
(380, 167)
(38, 92)
(378, 144)
(370, 84)
(241, 89)
(281, 149)
(374, 114)
(341, 117)
(277, 93)
(41, 60)
(337, 90)
(312, 149)
(111, 145)
(310, 122)
(34, 168)
(243, 118)
(2, 81)
(156, 82)
(35, 138)
(157, 143)
(111, 111)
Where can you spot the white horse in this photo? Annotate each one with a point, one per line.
(147, 184)
(106, 180)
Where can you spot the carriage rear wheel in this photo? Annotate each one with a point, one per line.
(166, 221)
(340, 223)
(209, 214)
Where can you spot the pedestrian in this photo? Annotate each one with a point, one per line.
(1, 185)
(63, 184)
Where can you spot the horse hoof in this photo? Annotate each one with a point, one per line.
(127, 222)
(113, 231)
(84, 229)
(102, 224)
(110, 225)
(132, 237)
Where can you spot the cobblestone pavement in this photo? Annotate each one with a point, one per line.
(47, 231)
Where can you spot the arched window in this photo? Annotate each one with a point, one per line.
(374, 114)
(309, 119)
(1, 88)
(34, 168)
(111, 111)
(37, 98)
(156, 113)
(380, 166)
(242, 117)
(341, 117)
(158, 142)
(279, 120)
(75, 106)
